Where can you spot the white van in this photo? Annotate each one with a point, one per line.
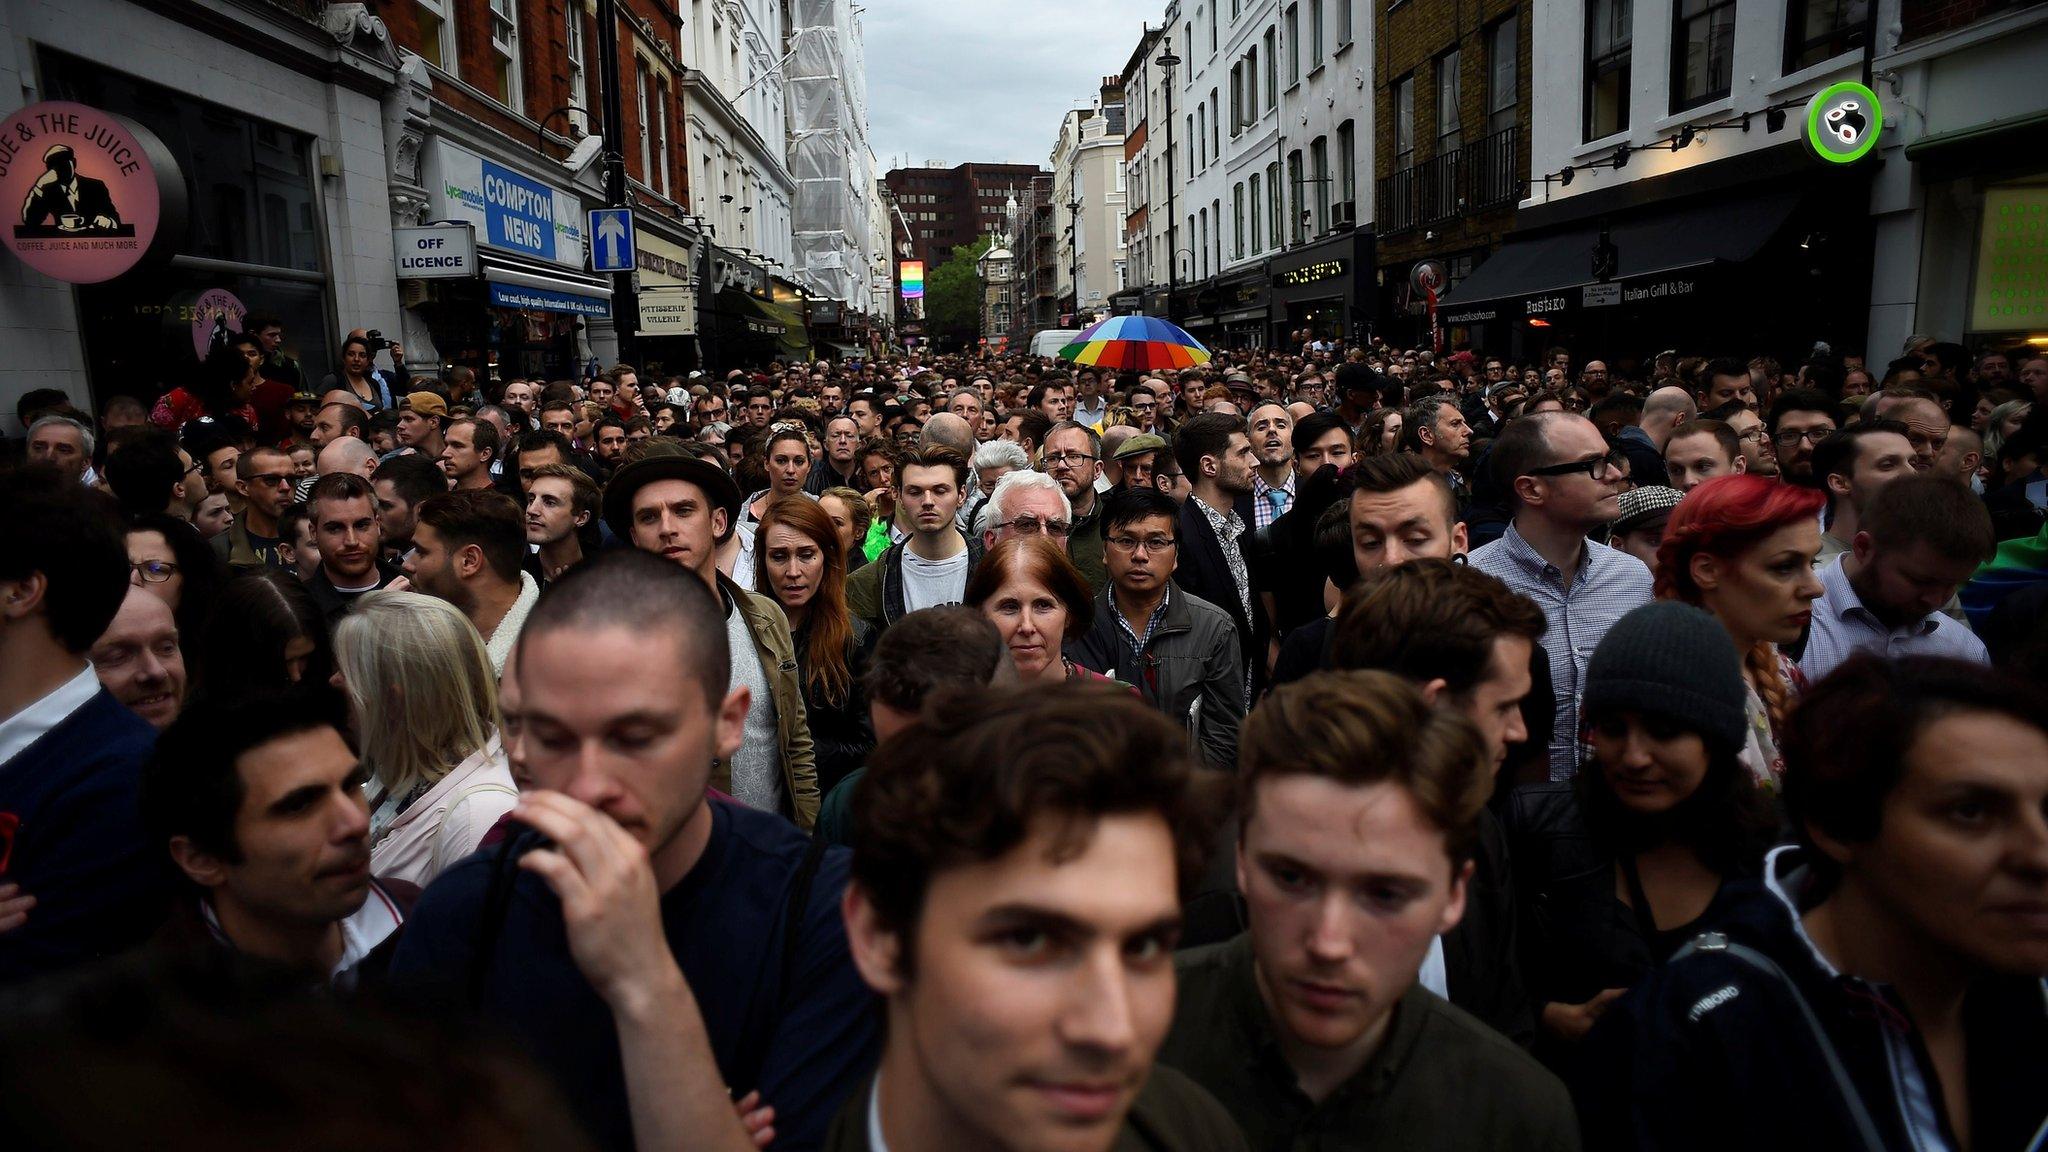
(1050, 341)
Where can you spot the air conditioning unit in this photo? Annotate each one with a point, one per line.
(1344, 214)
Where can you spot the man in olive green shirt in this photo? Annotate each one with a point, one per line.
(1359, 806)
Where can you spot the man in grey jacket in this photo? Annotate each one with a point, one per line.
(1180, 650)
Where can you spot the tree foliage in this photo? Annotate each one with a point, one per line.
(952, 297)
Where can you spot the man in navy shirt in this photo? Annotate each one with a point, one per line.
(77, 879)
(661, 952)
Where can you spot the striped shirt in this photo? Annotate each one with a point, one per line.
(1608, 585)
(1843, 627)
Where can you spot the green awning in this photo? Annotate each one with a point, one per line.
(1991, 131)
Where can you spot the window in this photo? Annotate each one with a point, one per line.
(1202, 135)
(437, 34)
(1702, 51)
(1215, 127)
(1404, 122)
(1212, 36)
(1502, 75)
(1276, 204)
(1319, 167)
(505, 51)
(1272, 67)
(1188, 270)
(1258, 239)
(661, 137)
(1315, 34)
(1216, 214)
(1193, 139)
(1187, 43)
(1298, 228)
(1817, 30)
(1449, 134)
(1347, 165)
(640, 95)
(1609, 44)
(1236, 99)
(1343, 22)
(1205, 243)
(1237, 221)
(1293, 21)
(1251, 86)
(578, 85)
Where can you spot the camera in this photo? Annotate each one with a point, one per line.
(377, 341)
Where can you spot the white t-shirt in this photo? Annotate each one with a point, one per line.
(757, 765)
(933, 583)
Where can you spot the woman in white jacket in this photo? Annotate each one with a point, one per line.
(425, 709)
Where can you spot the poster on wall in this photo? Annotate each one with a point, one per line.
(2009, 292)
(511, 211)
(91, 186)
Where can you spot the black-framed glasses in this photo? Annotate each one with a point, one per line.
(1599, 467)
(1791, 436)
(274, 479)
(1151, 544)
(1066, 459)
(154, 571)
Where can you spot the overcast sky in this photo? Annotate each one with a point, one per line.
(987, 80)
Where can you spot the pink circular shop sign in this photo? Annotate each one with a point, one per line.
(81, 191)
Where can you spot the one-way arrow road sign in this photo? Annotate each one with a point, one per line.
(611, 239)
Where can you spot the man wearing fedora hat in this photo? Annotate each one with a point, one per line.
(682, 508)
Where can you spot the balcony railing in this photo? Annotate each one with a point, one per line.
(1460, 180)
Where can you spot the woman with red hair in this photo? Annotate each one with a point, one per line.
(1742, 547)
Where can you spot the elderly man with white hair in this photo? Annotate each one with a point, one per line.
(1026, 503)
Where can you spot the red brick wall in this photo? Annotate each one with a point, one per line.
(1920, 19)
(544, 72)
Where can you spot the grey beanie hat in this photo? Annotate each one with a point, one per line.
(1676, 661)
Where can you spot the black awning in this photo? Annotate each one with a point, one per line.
(1649, 243)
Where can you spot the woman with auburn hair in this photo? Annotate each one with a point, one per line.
(1036, 598)
(1742, 547)
(800, 561)
(424, 705)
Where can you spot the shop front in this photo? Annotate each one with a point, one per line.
(667, 294)
(1324, 289)
(1241, 308)
(527, 310)
(229, 225)
(740, 325)
(1765, 267)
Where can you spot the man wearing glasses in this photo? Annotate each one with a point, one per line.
(1180, 650)
(1566, 482)
(1027, 503)
(1071, 452)
(264, 477)
(1800, 420)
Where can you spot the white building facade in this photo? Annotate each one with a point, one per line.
(1088, 199)
(734, 101)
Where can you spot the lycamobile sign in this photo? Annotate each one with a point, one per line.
(512, 212)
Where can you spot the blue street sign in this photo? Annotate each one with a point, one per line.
(611, 239)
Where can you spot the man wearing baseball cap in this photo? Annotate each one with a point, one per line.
(682, 508)
(420, 421)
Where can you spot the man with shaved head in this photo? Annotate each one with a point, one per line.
(642, 918)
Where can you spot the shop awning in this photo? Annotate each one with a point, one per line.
(765, 318)
(1649, 244)
(538, 287)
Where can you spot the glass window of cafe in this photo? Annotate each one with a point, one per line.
(254, 231)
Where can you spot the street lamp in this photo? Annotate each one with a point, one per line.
(1074, 255)
(1167, 63)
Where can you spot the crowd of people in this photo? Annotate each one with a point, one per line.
(1325, 747)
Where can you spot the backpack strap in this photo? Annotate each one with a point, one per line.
(764, 1013)
(1714, 943)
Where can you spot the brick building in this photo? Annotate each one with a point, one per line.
(497, 96)
(1451, 120)
(942, 208)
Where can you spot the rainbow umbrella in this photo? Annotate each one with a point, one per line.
(1136, 344)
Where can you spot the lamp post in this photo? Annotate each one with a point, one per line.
(1167, 63)
(625, 308)
(1074, 253)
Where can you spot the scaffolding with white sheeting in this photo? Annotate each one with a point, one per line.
(829, 157)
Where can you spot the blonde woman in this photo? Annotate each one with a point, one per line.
(425, 709)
